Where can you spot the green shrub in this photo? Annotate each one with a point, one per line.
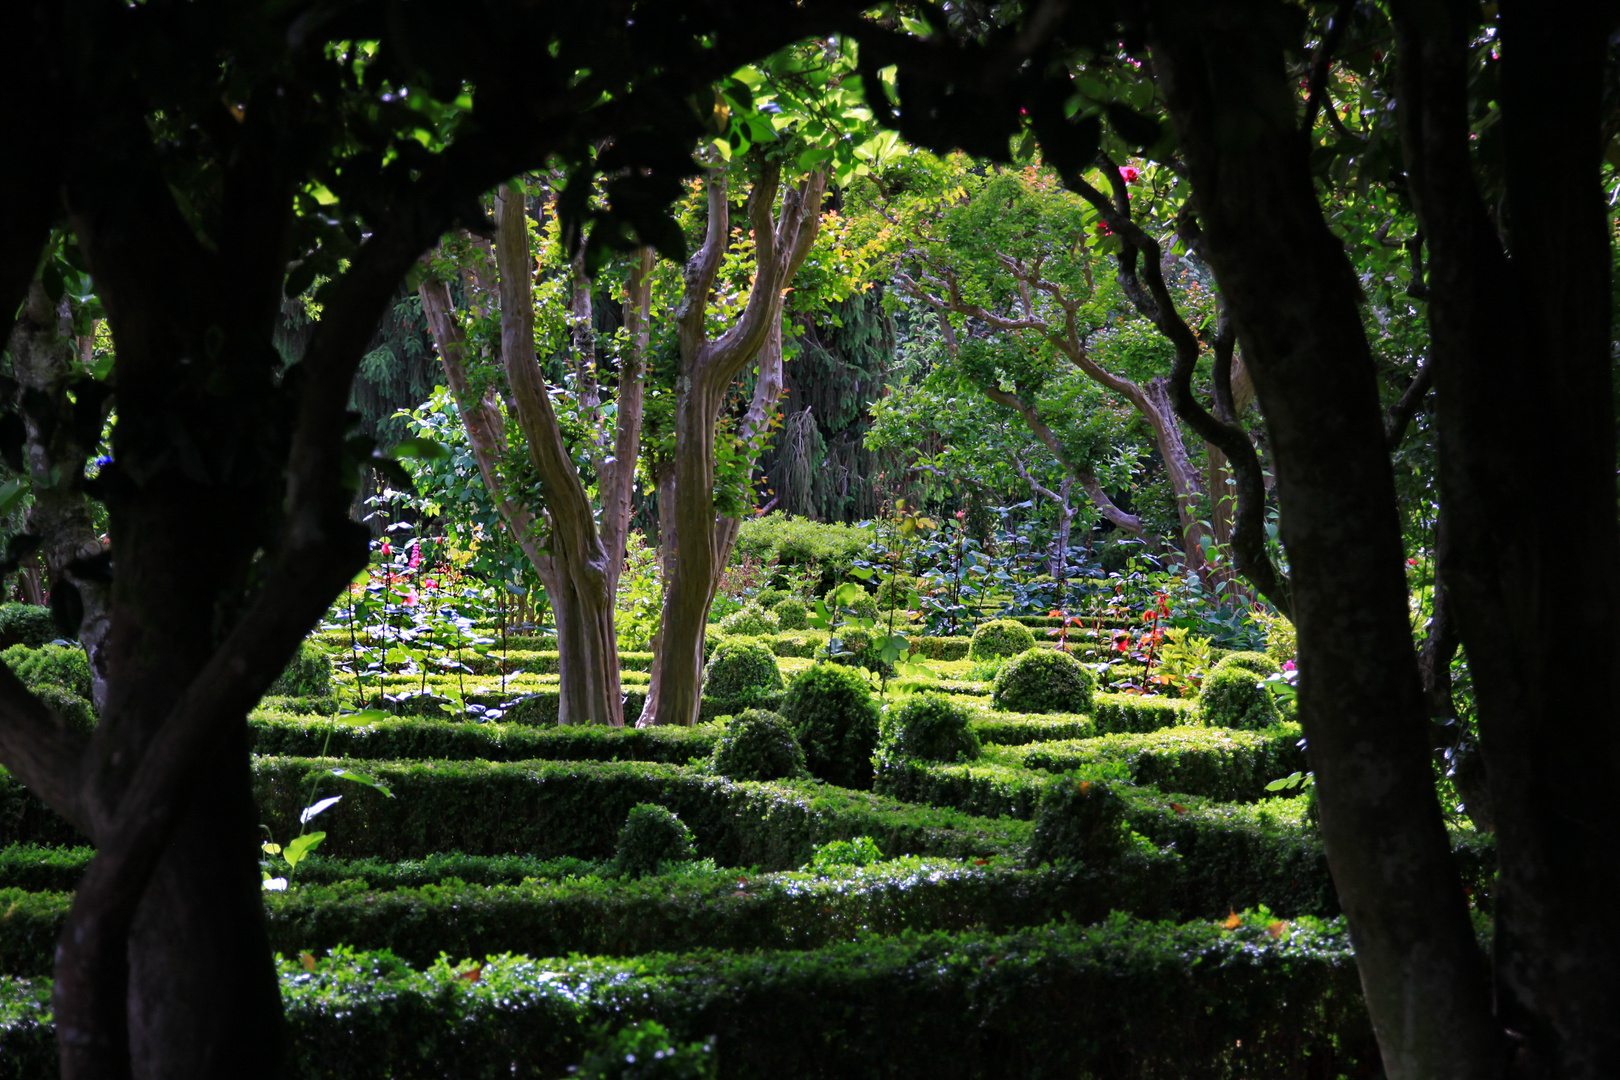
(894, 590)
(1078, 821)
(836, 721)
(59, 665)
(791, 614)
(1232, 766)
(75, 711)
(740, 675)
(1115, 713)
(926, 727)
(941, 648)
(1256, 662)
(766, 599)
(652, 836)
(864, 606)
(309, 674)
(645, 1051)
(750, 622)
(1043, 681)
(1233, 698)
(827, 551)
(1005, 730)
(758, 745)
(835, 854)
(1000, 637)
(27, 624)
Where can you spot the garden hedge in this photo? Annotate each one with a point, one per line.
(1267, 1000)
(1131, 712)
(1234, 766)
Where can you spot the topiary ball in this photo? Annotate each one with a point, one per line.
(741, 674)
(1257, 662)
(645, 1051)
(309, 674)
(1077, 821)
(651, 837)
(1043, 681)
(767, 598)
(791, 614)
(1233, 698)
(836, 722)
(926, 727)
(758, 745)
(59, 665)
(865, 605)
(748, 622)
(1000, 637)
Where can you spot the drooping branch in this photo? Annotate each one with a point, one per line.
(1401, 413)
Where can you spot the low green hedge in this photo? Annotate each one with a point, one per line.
(408, 737)
(1013, 730)
(941, 648)
(1125, 998)
(551, 809)
(1132, 712)
(1234, 766)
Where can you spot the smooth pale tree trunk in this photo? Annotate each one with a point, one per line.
(702, 538)
(1294, 299)
(1520, 310)
(44, 357)
(577, 557)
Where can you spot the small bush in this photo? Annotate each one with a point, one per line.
(308, 675)
(865, 605)
(75, 711)
(59, 665)
(767, 598)
(758, 745)
(859, 851)
(1078, 821)
(927, 727)
(1256, 662)
(749, 621)
(1000, 637)
(27, 624)
(1233, 698)
(791, 614)
(895, 590)
(1043, 681)
(645, 1051)
(741, 674)
(651, 837)
(836, 721)
(1280, 642)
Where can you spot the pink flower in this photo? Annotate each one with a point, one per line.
(1288, 665)
(432, 584)
(1130, 173)
(410, 598)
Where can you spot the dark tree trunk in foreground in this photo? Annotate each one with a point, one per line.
(1294, 300)
(1520, 313)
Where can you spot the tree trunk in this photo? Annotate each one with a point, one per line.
(45, 359)
(1294, 299)
(1532, 283)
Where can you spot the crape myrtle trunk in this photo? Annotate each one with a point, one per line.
(1294, 299)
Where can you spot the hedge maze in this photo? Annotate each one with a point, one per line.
(1102, 893)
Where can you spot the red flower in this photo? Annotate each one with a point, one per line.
(1130, 173)
(386, 549)
(1411, 562)
(1102, 227)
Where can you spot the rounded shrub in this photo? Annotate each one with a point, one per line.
(1077, 821)
(927, 727)
(791, 614)
(758, 745)
(27, 624)
(59, 665)
(1232, 697)
(77, 714)
(748, 622)
(767, 598)
(1043, 681)
(309, 674)
(651, 837)
(865, 605)
(1257, 662)
(836, 722)
(741, 674)
(1000, 637)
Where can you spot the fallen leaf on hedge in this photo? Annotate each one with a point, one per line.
(1277, 929)
(309, 961)
(472, 974)
(1178, 808)
(1233, 921)
(1085, 787)
(980, 862)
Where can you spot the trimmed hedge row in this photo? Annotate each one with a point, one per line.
(694, 908)
(286, 735)
(1132, 712)
(1234, 766)
(551, 809)
(1123, 999)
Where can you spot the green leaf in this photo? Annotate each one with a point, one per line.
(364, 716)
(300, 846)
(363, 778)
(425, 449)
(11, 493)
(320, 807)
(861, 572)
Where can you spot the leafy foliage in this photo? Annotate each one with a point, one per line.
(1043, 681)
(927, 727)
(1232, 697)
(58, 665)
(645, 1051)
(750, 621)
(758, 745)
(741, 673)
(26, 624)
(835, 718)
(652, 836)
(1079, 820)
(1000, 637)
(791, 614)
